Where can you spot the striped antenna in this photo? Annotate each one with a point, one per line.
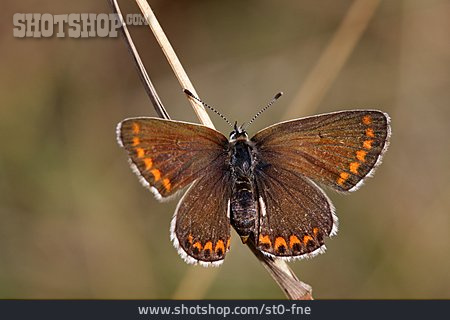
(277, 96)
(207, 106)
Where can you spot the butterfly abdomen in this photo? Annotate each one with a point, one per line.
(243, 205)
(243, 209)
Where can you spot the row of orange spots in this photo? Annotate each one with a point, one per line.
(148, 162)
(281, 242)
(367, 144)
(219, 248)
(360, 154)
(165, 181)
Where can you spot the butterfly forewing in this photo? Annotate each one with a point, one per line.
(295, 215)
(169, 155)
(200, 227)
(337, 149)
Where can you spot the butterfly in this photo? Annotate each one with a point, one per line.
(263, 186)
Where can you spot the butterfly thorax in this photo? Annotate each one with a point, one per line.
(243, 205)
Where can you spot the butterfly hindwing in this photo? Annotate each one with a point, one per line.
(169, 155)
(200, 227)
(294, 214)
(337, 149)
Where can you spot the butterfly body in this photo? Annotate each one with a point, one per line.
(243, 202)
(265, 187)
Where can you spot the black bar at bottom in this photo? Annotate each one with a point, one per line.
(223, 309)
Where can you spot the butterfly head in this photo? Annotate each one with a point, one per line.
(238, 133)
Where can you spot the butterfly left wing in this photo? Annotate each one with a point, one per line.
(169, 155)
(294, 214)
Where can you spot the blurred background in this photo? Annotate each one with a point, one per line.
(76, 223)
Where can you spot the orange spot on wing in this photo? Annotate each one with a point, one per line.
(279, 241)
(198, 245)
(367, 120)
(148, 163)
(140, 152)
(293, 240)
(190, 238)
(306, 239)
(344, 175)
(361, 155)
(156, 173)
(315, 231)
(219, 246)
(136, 128)
(136, 141)
(265, 240)
(354, 167)
(208, 246)
(342, 178)
(228, 244)
(368, 144)
(370, 133)
(166, 184)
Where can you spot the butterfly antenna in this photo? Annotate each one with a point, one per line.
(277, 96)
(207, 106)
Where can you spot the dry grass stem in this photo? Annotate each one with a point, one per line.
(172, 58)
(148, 85)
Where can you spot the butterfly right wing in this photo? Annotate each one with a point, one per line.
(169, 155)
(338, 150)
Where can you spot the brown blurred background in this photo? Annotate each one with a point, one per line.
(74, 220)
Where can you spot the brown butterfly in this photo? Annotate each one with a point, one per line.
(265, 187)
